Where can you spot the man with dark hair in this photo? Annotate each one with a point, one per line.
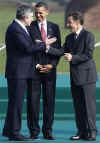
(78, 48)
(83, 76)
(45, 74)
(19, 69)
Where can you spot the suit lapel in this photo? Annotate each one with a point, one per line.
(38, 32)
(49, 29)
(22, 30)
(77, 41)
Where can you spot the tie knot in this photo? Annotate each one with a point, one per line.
(42, 24)
(75, 35)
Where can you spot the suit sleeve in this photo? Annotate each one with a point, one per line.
(87, 54)
(26, 45)
(56, 52)
(65, 45)
(59, 52)
(57, 45)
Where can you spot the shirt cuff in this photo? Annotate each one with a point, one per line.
(47, 49)
(37, 66)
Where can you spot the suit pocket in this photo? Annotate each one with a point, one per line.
(87, 75)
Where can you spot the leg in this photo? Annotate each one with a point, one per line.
(49, 86)
(15, 102)
(33, 106)
(80, 111)
(90, 102)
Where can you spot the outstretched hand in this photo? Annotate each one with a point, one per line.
(50, 41)
(68, 57)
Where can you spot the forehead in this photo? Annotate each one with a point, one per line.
(40, 9)
(70, 18)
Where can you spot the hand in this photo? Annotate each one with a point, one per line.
(50, 41)
(39, 67)
(68, 57)
(38, 41)
(46, 68)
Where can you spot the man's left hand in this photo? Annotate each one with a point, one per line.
(46, 68)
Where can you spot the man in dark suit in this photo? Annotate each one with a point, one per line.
(45, 74)
(19, 69)
(78, 48)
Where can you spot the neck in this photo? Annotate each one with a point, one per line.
(22, 21)
(79, 27)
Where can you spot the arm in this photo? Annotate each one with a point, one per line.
(26, 45)
(56, 52)
(55, 48)
(59, 52)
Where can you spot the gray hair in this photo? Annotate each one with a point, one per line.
(23, 10)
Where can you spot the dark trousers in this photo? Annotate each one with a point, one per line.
(48, 85)
(16, 90)
(84, 100)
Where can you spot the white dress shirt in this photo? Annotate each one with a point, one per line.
(44, 25)
(78, 32)
(45, 28)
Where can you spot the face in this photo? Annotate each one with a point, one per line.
(73, 25)
(41, 13)
(28, 19)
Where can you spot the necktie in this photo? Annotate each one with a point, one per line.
(75, 36)
(43, 33)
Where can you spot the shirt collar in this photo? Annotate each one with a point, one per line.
(44, 25)
(78, 31)
(21, 24)
(44, 22)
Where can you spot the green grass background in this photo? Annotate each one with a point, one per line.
(7, 14)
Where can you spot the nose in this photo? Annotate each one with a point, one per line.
(38, 14)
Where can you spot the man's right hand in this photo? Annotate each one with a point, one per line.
(50, 41)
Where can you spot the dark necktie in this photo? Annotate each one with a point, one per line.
(43, 33)
(75, 36)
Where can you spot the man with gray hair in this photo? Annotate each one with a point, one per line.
(19, 69)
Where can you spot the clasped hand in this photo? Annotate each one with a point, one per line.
(48, 41)
(44, 68)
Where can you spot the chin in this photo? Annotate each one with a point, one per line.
(73, 30)
(39, 19)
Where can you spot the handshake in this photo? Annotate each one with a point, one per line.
(48, 41)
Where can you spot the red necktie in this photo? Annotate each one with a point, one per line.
(43, 33)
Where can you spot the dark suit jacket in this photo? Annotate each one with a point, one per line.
(19, 50)
(82, 67)
(52, 30)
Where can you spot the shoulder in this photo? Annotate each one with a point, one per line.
(13, 27)
(53, 24)
(69, 36)
(33, 24)
(88, 33)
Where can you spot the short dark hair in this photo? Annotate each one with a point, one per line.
(23, 10)
(41, 4)
(77, 16)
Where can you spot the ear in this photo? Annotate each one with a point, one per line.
(47, 12)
